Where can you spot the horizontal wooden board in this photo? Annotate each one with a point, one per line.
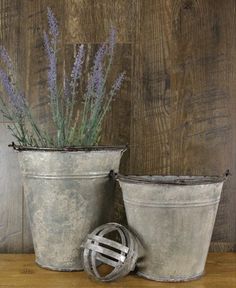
(21, 271)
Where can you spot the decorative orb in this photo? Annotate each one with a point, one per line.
(120, 256)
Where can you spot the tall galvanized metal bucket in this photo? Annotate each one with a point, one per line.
(174, 218)
(68, 194)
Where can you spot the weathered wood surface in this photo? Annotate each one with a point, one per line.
(11, 221)
(183, 97)
(177, 108)
(15, 234)
(21, 271)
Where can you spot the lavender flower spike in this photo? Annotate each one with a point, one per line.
(97, 74)
(52, 72)
(100, 56)
(79, 59)
(16, 99)
(117, 85)
(6, 58)
(47, 46)
(52, 22)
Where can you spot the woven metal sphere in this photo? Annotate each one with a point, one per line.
(98, 249)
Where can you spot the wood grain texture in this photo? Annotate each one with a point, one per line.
(90, 20)
(11, 34)
(201, 120)
(150, 147)
(15, 234)
(183, 100)
(223, 246)
(21, 271)
(11, 235)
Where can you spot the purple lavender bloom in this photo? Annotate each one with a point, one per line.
(7, 84)
(52, 75)
(52, 72)
(6, 58)
(16, 99)
(52, 22)
(79, 59)
(117, 85)
(96, 79)
(99, 57)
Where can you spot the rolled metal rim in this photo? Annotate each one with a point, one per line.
(172, 179)
(69, 149)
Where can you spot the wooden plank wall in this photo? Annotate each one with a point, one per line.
(177, 108)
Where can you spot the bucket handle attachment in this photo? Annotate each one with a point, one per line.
(113, 175)
(226, 175)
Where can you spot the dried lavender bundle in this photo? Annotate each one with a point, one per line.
(81, 131)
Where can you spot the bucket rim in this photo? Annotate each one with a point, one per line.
(19, 148)
(172, 179)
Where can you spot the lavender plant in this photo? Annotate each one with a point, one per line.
(83, 130)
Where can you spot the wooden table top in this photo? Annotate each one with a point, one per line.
(19, 270)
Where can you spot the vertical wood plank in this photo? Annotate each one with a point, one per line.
(11, 224)
(11, 32)
(202, 131)
(226, 13)
(183, 108)
(151, 90)
(11, 235)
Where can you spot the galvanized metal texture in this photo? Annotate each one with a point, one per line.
(174, 218)
(68, 194)
(99, 249)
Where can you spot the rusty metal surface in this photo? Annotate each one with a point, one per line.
(68, 194)
(174, 223)
(122, 256)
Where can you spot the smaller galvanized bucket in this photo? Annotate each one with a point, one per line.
(174, 219)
